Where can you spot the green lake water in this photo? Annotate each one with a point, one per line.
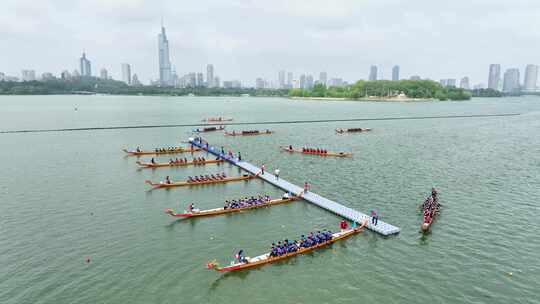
(66, 196)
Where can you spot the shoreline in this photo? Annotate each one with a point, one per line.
(362, 99)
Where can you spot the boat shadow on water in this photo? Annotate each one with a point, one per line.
(184, 220)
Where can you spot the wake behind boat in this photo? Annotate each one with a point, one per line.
(161, 151)
(316, 151)
(199, 180)
(234, 206)
(287, 249)
(199, 161)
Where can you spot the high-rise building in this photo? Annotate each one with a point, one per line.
(415, 77)
(85, 66)
(323, 78)
(290, 80)
(451, 82)
(2, 76)
(103, 73)
(444, 82)
(395, 73)
(309, 82)
(259, 83)
(47, 76)
(28, 75)
(165, 76)
(209, 75)
(200, 80)
(373, 72)
(217, 83)
(531, 75)
(511, 80)
(464, 83)
(281, 79)
(336, 82)
(135, 81)
(126, 73)
(65, 75)
(302, 81)
(494, 76)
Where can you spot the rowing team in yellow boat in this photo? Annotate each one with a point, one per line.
(168, 149)
(177, 160)
(205, 178)
(285, 247)
(246, 202)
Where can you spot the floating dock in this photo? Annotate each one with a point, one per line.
(346, 212)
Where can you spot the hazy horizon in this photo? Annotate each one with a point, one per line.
(249, 39)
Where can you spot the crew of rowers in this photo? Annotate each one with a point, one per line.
(431, 206)
(176, 161)
(206, 178)
(246, 202)
(352, 130)
(282, 248)
(314, 150)
(195, 160)
(168, 149)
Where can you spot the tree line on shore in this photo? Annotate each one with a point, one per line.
(418, 89)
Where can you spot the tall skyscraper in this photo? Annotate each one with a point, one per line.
(511, 80)
(126, 73)
(103, 74)
(217, 83)
(289, 80)
(164, 59)
(28, 75)
(451, 82)
(531, 75)
(464, 83)
(200, 80)
(395, 73)
(494, 76)
(281, 79)
(210, 75)
(373, 72)
(302, 81)
(85, 66)
(323, 78)
(309, 82)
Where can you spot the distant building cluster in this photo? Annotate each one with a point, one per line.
(510, 82)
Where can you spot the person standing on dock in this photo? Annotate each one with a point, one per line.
(222, 150)
(374, 217)
(306, 187)
(239, 157)
(262, 169)
(276, 173)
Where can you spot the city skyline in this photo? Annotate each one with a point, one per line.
(332, 37)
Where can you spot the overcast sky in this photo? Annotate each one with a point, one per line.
(248, 39)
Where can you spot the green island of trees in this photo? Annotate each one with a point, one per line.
(379, 89)
(386, 89)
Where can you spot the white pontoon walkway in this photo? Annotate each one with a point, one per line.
(346, 212)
